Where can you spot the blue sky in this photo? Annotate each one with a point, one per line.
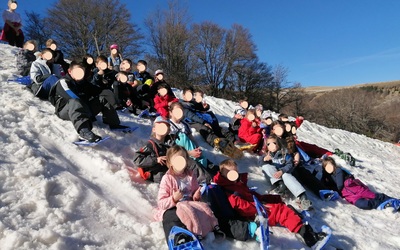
(322, 43)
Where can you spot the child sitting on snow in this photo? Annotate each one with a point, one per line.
(241, 199)
(239, 114)
(178, 200)
(163, 100)
(151, 158)
(353, 190)
(250, 131)
(279, 167)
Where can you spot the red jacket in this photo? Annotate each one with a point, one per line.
(241, 197)
(161, 103)
(246, 130)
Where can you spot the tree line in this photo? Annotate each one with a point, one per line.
(223, 62)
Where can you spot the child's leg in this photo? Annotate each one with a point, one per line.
(270, 170)
(293, 184)
(281, 214)
(170, 219)
(372, 203)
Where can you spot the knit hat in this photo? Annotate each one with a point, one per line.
(114, 46)
(159, 71)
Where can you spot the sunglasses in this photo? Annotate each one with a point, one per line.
(270, 143)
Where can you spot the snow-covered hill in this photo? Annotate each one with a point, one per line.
(55, 195)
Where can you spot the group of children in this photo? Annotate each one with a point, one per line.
(284, 158)
(81, 89)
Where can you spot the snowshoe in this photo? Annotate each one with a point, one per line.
(182, 239)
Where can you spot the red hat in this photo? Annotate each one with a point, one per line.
(114, 46)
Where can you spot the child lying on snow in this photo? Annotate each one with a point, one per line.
(352, 189)
(241, 199)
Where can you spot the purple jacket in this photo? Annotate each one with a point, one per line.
(354, 189)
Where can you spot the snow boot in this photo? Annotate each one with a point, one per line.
(87, 135)
(303, 202)
(311, 238)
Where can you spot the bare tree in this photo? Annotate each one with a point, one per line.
(219, 50)
(90, 26)
(35, 28)
(170, 42)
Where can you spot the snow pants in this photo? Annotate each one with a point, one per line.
(367, 204)
(290, 181)
(281, 214)
(309, 180)
(170, 219)
(82, 113)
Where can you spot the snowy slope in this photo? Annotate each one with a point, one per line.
(55, 195)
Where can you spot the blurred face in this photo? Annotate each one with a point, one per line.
(12, 6)
(329, 168)
(160, 76)
(140, 67)
(161, 128)
(244, 104)
(197, 97)
(259, 112)
(122, 77)
(101, 65)
(53, 46)
(47, 55)
(230, 172)
(125, 66)
(251, 117)
(89, 60)
(178, 163)
(77, 73)
(188, 96)
(278, 130)
(29, 46)
(176, 113)
(162, 91)
(272, 145)
(114, 52)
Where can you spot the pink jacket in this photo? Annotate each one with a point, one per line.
(169, 183)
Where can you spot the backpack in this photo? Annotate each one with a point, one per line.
(216, 198)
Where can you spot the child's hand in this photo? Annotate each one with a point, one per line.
(129, 103)
(196, 153)
(177, 195)
(207, 125)
(238, 116)
(278, 174)
(162, 160)
(267, 157)
(101, 72)
(197, 195)
(296, 159)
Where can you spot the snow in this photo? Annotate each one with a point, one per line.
(56, 195)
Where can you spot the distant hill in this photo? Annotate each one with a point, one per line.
(392, 86)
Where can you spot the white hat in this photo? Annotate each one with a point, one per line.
(159, 71)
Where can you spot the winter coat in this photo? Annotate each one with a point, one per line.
(350, 188)
(144, 77)
(248, 133)
(146, 158)
(67, 88)
(104, 81)
(282, 160)
(241, 199)
(190, 114)
(161, 104)
(198, 106)
(169, 182)
(24, 61)
(196, 216)
(40, 71)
